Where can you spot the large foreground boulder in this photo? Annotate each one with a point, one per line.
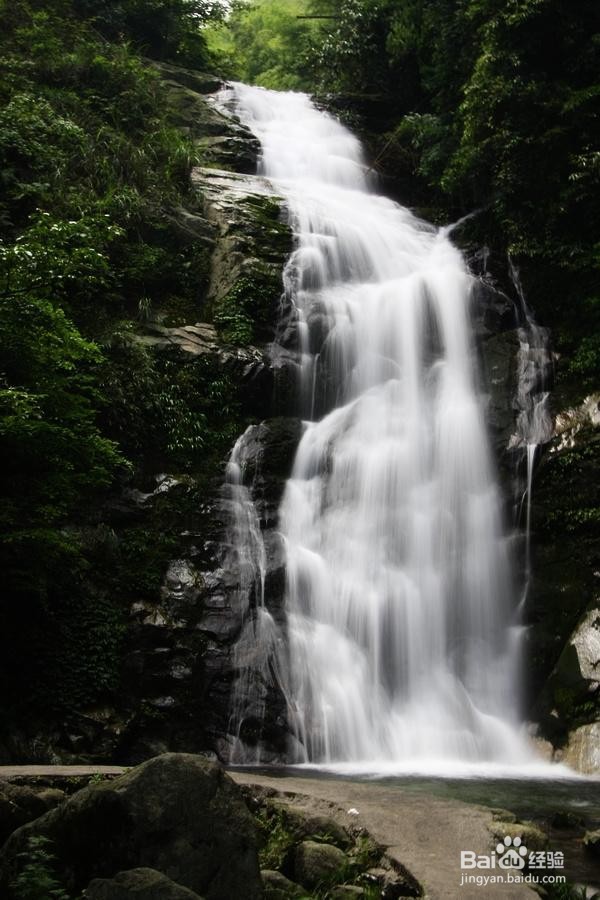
(176, 813)
(138, 884)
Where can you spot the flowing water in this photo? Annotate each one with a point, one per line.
(402, 626)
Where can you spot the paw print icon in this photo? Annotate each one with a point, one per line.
(512, 853)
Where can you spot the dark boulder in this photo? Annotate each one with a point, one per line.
(138, 884)
(19, 805)
(176, 813)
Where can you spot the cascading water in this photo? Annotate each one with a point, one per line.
(401, 623)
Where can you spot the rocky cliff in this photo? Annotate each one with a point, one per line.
(161, 540)
(163, 566)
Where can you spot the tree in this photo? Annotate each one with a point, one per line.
(164, 29)
(264, 42)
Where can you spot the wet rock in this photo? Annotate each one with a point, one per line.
(268, 459)
(236, 150)
(393, 883)
(578, 664)
(565, 819)
(499, 364)
(532, 836)
(573, 691)
(571, 421)
(347, 892)
(315, 863)
(201, 82)
(138, 884)
(278, 887)
(181, 588)
(582, 751)
(192, 226)
(177, 813)
(252, 245)
(193, 108)
(591, 843)
(306, 825)
(196, 340)
(494, 312)
(564, 592)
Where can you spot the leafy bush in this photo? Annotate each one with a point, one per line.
(36, 880)
(93, 175)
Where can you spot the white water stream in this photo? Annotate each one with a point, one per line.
(401, 610)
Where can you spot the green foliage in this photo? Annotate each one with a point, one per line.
(36, 880)
(97, 778)
(264, 42)
(352, 53)
(244, 315)
(585, 362)
(36, 146)
(277, 838)
(168, 412)
(65, 260)
(164, 29)
(365, 854)
(494, 106)
(54, 451)
(94, 177)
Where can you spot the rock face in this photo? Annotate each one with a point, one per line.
(582, 750)
(576, 677)
(180, 667)
(177, 813)
(221, 139)
(562, 650)
(564, 654)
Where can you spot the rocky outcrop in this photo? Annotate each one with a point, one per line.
(252, 245)
(562, 597)
(575, 681)
(222, 140)
(564, 651)
(582, 749)
(177, 814)
(496, 332)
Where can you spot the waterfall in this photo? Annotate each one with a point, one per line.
(402, 624)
